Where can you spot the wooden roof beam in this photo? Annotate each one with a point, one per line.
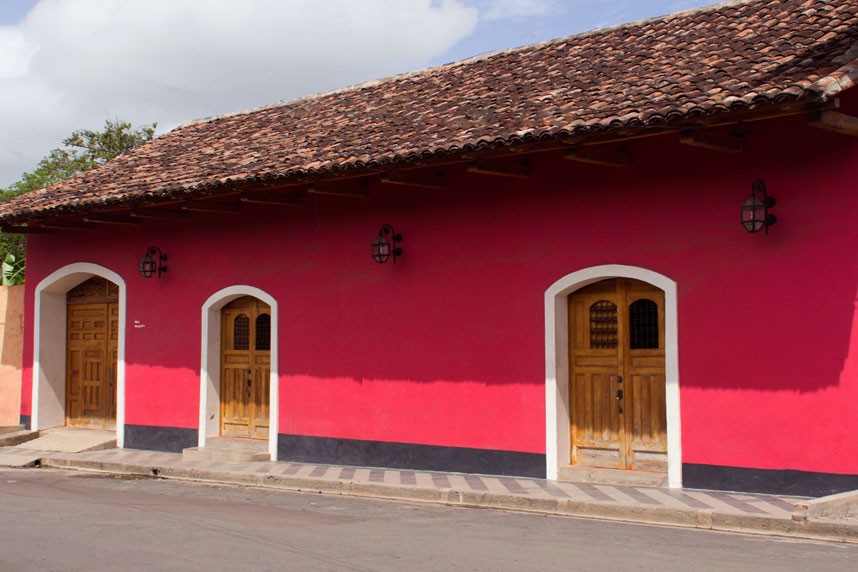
(515, 170)
(292, 186)
(164, 214)
(835, 121)
(432, 181)
(358, 189)
(68, 225)
(294, 200)
(712, 141)
(597, 156)
(112, 219)
(17, 229)
(211, 207)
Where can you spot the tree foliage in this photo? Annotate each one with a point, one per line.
(81, 151)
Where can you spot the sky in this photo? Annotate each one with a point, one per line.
(67, 65)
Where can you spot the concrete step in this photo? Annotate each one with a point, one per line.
(230, 450)
(15, 457)
(596, 475)
(17, 437)
(10, 429)
(72, 440)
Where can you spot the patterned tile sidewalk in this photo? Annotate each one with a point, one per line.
(734, 503)
(717, 510)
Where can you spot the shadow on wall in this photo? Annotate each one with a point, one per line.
(11, 352)
(465, 303)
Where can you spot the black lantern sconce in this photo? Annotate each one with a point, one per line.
(386, 245)
(153, 262)
(755, 211)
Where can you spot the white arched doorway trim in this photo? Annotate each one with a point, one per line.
(49, 346)
(210, 367)
(557, 419)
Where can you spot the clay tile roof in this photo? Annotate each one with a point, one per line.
(738, 55)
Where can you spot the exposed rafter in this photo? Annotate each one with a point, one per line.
(712, 141)
(429, 181)
(598, 156)
(112, 219)
(68, 225)
(11, 229)
(167, 214)
(291, 186)
(486, 167)
(359, 188)
(211, 207)
(294, 200)
(835, 121)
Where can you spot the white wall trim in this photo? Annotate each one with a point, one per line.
(209, 423)
(49, 345)
(557, 419)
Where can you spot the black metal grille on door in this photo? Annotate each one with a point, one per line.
(603, 325)
(263, 332)
(643, 325)
(241, 333)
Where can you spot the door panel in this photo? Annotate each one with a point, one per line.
(597, 427)
(617, 377)
(91, 354)
(245, 369)
(112, 360)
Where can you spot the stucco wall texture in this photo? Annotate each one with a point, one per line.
(446, 347)
(11, 352)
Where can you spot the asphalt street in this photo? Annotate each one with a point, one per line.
(63, 520)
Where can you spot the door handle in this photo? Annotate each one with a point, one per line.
(620, 400)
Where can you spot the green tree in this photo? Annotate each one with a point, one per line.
(81, 151)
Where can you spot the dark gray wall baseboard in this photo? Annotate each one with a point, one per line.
(167, 439)
(784, 482)
(305, 449)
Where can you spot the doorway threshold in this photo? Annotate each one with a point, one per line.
(230, 449)
(599, 475)
(72, 440)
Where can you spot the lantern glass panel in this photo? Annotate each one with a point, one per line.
(380, 249)
(147, 267)
(753, 214)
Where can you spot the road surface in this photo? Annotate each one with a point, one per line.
(69, 521)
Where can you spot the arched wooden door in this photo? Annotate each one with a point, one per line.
(92, 335)
(617, 376)
(245, 368)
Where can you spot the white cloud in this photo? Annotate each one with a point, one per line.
(502, 9)
(71, 64)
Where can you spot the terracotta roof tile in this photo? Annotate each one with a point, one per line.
(739, 55)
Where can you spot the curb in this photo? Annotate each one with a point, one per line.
(832, 506)
(14, 438)
(831, 531)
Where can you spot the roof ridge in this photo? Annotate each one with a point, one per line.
(466, 61)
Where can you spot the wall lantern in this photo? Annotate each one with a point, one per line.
(755, 211)
(153, 262)
(384, 246)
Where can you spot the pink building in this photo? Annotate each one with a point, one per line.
(576, 296)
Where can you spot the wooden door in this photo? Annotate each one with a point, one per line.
(91, 354)
(245, 368)
(617, 376)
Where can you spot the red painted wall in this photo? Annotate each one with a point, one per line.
(446, 347)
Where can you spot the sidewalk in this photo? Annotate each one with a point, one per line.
(712, 510)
